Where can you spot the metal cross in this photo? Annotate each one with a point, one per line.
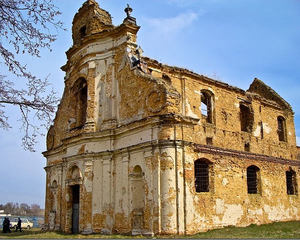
(128, 10)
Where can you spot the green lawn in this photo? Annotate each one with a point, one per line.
(274, 230)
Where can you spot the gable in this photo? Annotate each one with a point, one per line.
(260, 88)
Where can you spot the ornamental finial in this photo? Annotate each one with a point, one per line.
(128, 10)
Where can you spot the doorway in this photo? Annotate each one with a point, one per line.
(75, 208)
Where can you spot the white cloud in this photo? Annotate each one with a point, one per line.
(173, 25)
(298, 140)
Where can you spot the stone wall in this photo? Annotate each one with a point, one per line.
(112, 197)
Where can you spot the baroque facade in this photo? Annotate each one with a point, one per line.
(140, 147)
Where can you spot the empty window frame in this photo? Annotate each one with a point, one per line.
(246, 118)
(207, 105)
(252, 179)
(281, 130)
(291, 184)
(201, 168)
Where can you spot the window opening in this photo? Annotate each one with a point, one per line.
(82, 31)
(261, 130)
(206, 106)
(79, 101)
(281, 129)
(291, 182)
(252, 179)
(201, 169)
(246, 118)
(247, 147)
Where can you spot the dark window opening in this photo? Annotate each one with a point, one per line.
(82, 31)
(166, 77)
(247, 147)
(281, 129)
(201, 168)
(291, 182)
(80, 103)
(261, 130)
(206, 106)
(246, 117)
(209, 141)
(252, 179)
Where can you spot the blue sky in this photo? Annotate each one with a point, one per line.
(229, 40)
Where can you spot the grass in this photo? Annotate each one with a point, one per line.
(274, 230)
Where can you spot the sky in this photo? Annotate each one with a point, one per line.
(232, 41)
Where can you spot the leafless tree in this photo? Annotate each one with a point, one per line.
(22, 209)
(26, 27)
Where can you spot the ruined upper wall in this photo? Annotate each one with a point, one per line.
(239, 120)
(266, 92)
(122, 87)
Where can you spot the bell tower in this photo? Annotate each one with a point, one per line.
(90, 19)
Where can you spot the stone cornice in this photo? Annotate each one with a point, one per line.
(243, 155)
(198, 148)
(113, 33)
(150, 122)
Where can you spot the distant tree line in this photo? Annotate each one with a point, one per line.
(22, 209)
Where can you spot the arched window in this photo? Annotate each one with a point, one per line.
(201, 169)
(80, 104)
(207, 105)
(246, 118)
(291, 184)
(281, 130)
(252, 179)
(54, 184)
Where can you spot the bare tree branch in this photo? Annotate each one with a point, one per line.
(25, 28)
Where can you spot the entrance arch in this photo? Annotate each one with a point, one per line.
(74, 182)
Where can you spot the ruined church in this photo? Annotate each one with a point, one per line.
(140, 147)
